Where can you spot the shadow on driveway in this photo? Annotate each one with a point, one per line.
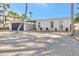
(43, 44)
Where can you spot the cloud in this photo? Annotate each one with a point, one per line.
(43, 4)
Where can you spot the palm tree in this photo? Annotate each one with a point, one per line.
(23, 17)
(14, 15)
(30, 13)
(10, 14)
(72, 19)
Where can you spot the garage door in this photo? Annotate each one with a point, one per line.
(16, 25)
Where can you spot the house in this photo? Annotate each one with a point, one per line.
(54, 24)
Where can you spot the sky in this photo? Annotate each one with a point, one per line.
(43, 10)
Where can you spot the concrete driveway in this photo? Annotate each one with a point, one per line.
(37, 44)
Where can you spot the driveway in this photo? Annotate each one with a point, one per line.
(37, 44)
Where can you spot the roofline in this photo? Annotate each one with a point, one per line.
(52, 19)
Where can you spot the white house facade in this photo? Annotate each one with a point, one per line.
(56, 24)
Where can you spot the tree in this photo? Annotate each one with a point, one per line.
(15, 15)
(4, 12)
(30, 13)
(77, 14)
(78, 6)
(23, 17)
(72, 19)
(76, 18)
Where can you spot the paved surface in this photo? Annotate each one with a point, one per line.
(77, 34)
(37, 44)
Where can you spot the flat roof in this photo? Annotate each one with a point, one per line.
(52, 19)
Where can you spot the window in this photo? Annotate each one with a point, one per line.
(38, 24)
(51, 24)
(61, 25)
(61, 22)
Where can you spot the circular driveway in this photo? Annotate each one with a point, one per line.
(37, 44)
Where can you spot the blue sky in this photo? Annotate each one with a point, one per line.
(43, 10)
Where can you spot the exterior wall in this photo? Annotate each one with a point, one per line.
(66, 24)
(28, 26)
(46, 24)
(43, 25)
(56, 25)
(10, 26)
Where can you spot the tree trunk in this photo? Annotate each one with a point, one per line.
(20, 25)
(4, 23)
(22, 20)
(72, 19)
(3, 18)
